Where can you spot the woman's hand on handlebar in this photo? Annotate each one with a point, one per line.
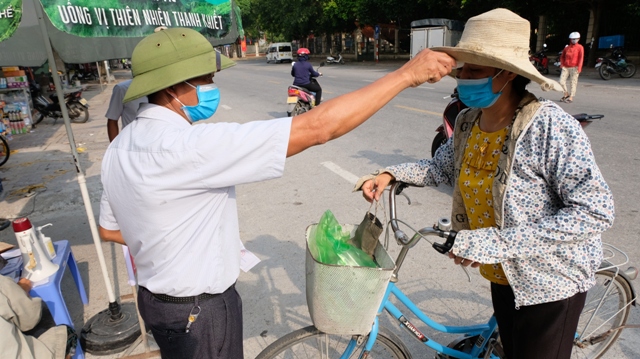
(373, 188)
(463, 261)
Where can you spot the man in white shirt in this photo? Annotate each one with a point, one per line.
(118, 109)
(169, 187)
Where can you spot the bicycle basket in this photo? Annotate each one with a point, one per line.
(345, 300)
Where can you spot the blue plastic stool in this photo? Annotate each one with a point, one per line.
(51, 293)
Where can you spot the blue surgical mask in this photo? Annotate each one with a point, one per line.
(478, 93)
(208, 101)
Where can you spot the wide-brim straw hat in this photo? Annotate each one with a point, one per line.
(498, 38)
(170, 56)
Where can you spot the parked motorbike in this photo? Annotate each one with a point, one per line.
(615, 64)
(540, 60)
(299, 99)
(77, 107)
(445, 131)
(449, 115)
(335, 60)
(556, 62)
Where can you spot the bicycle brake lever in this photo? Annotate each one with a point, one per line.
(444, 248)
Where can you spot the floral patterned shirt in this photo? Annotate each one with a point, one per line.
(551, 205)
(481, 154)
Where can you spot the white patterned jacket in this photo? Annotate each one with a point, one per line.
(551, 203)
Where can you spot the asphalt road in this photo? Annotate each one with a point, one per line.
(275, 214)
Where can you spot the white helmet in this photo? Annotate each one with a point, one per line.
(574, 35)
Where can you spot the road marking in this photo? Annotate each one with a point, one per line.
(274, 82)
(350, 177)
(623, 88)
(419, 110)
(225, 107)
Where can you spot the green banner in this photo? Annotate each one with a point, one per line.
(137, 18)
(10, 16)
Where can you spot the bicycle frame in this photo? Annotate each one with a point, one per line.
(485, 331)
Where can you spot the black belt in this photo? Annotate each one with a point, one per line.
(192, 299)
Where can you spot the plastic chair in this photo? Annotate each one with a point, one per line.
(51, 292)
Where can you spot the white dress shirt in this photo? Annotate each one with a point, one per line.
(169, 189)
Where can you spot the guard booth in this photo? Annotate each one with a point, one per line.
(428, 33)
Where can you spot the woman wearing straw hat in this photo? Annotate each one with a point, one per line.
(529, 202)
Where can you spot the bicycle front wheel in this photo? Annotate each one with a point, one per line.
(310, 342)
(606, 309)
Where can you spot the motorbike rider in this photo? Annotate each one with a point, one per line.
(303, 73)
(571, 62)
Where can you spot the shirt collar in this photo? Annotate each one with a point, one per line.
(160, 113)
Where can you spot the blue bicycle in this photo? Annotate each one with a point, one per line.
(604, 316)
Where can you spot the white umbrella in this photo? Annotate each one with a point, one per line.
(82, 34)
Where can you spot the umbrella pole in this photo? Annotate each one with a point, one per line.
(99, 77)
(118, 325)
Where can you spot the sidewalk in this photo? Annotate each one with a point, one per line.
(40, 182)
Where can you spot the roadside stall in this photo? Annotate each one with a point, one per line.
(15, 102)
(91, 31)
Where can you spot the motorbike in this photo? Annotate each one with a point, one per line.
(334, 60)
(77, 107)
(449, 115)
(556, 62)
(540, 60)
(445, 131)
(299, 99)
(615, 64)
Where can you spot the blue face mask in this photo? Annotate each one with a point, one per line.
(208, 101)
(478, 93)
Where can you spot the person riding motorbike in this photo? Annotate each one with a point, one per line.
(304, 73)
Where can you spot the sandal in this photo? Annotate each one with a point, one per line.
(568, 101)
(564, 98)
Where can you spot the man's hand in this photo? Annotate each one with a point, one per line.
(111, 236)
(25, 284)
(428, 66)
(465, 262)
(372, 189)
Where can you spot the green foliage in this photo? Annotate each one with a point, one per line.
(9, 25)
(295, 19)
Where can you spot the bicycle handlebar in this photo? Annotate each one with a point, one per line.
(442, 229)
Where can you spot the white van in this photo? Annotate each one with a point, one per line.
(279, 52)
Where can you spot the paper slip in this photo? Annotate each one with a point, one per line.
(248, 260)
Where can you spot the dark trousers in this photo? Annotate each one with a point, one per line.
(538, 331)
(314, 87)
(216, 333)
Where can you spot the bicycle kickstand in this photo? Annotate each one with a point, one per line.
(494, 346)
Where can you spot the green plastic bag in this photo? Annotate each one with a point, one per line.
(329, 244)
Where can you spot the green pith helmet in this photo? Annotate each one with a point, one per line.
(170, 56)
